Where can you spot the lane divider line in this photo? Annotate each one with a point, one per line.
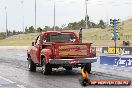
(105, 64)
(122, 66)
(7, 80)
(21, 86)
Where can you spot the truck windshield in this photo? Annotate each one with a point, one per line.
(59, 37)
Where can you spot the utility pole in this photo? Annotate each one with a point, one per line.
(54, 15)
(22, 17)
(6, 22)
(107, 23)
(35, 14)
(86, 14)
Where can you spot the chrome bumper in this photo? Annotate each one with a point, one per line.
(73, 61)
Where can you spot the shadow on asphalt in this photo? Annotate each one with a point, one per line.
(65, 73)
(59, 72)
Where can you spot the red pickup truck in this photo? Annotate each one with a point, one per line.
(59, 49)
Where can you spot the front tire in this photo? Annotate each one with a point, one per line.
(46, 68)
(31, 65)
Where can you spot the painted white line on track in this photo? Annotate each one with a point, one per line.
(6, 79)
(115, 65)
(119, 69)
(112, 68)
(104, 67)
(105, 64)
(126, 70)
(21, 86)
(122, 66)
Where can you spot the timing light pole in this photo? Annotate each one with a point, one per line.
(86, 19)
(115, 30)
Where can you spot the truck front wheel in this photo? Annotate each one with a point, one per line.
(46, 68)
(31, 65)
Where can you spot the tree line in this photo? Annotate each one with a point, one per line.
(70, 26)
(3, 35)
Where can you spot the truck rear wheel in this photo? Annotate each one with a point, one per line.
(31, 65)
(68, 68)
(87, 67)
(46, 68)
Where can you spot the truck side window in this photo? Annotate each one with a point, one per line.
(47, 38)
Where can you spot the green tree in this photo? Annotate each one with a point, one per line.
(31, 29)
(39, 29)
(14, 32)
(101, 24)
(2, 35)
(81, 24)
(73, 25)
(47, 28)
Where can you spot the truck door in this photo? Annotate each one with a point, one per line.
(37, 50)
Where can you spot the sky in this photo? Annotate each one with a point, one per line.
(66, 11)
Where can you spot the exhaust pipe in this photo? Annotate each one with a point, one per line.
(80, 35)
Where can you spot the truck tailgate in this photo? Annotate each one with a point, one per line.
(73, 50)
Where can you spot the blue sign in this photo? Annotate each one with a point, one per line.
(116, 60)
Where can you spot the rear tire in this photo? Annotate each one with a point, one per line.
(46, 68)
(31, 65)
(68, 68)
(87, 68)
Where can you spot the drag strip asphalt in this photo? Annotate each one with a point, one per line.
(13, 67)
